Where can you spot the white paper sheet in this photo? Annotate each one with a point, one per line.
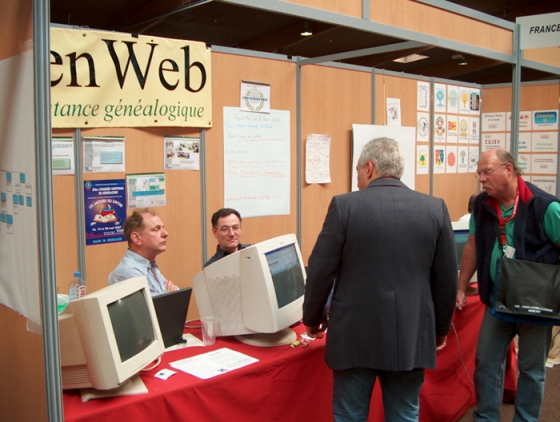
(213, 363)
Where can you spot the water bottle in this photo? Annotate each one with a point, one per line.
(80, 283)
(77, 289)
(73, 289)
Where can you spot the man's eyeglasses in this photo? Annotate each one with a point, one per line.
(488, 172)
(227, 229)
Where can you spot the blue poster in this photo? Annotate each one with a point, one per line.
(105, 211)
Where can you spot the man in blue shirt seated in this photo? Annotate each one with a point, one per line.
(146, 238)
(226, 228)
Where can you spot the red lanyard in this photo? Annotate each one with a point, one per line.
(507, 220)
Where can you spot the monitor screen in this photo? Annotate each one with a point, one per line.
(131, 322)
(287, 275)
(461, 237)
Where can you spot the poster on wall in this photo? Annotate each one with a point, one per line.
(474, 153)
(452, 128)
(524, 162)
(146, 190)
(464, 100)
(422, 159)
(462, 159)
(440, 98)
(439, 159)
(474, 130)
(548, 184)
(474, 97)
(544, 163)
(254, 97)
(463, 129)
(317, 158)
(524, 143)
(493, 122)
(452, 99)
(451, 162)
(103, 154)
(440, 127)
(423, 96)
(545, 120)
(525, 120)
(62, 155)
(544, 141)
(105, 211)
(181, 153)
(493, 140)
(393, 111)
(422, 127)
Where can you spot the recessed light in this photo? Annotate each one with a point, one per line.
(411, 58)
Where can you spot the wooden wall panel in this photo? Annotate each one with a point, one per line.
(228, 72)
(549, 55)
(332, 100)
(143, 154)
(430, 20)
(22, 373)
(532, 97)
(344, 7)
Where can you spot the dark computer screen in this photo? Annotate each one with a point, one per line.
(132, 324)
(461, 237)
(287, 274)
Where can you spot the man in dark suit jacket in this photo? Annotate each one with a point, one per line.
(392, 253)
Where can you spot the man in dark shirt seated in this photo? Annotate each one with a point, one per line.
(226, 228)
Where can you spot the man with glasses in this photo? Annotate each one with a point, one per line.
(226, 228)
(528, 220)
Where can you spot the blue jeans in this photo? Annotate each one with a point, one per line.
(493, 342)
(353, 387)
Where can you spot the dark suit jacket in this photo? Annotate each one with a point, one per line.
(392, 252)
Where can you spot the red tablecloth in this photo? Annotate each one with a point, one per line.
(286, 384)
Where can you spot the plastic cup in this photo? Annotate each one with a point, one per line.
(209, 325)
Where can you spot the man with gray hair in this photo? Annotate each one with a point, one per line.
(392, 253)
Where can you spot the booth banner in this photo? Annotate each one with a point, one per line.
(108, 79)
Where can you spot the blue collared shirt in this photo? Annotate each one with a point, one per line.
(133, 265)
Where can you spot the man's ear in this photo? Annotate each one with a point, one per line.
(135, 237)
(370, 169)
(214, 231)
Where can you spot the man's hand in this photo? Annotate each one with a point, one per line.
(169, 286)
(316, 331)
(441, 341)
(461, 300)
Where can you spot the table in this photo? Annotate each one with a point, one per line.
(288, 384)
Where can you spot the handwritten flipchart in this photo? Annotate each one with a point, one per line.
(257, 162)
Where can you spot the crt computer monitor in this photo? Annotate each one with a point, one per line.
(461, 233)
(108, 336)
(256, 293)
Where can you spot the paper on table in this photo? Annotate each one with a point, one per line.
(217, 362)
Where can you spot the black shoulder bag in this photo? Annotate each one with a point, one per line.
(526, 292)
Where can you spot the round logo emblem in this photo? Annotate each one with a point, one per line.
(254, 99)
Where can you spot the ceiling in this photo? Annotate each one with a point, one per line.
(228, 25)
